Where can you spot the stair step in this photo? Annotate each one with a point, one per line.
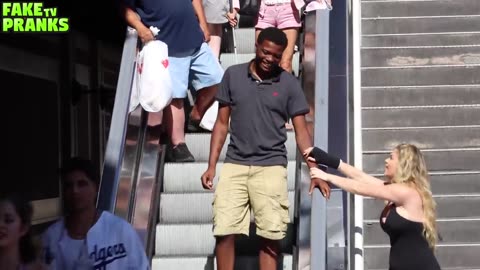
(447, 207)
(420, 96)
(404, 25)
(444, 160)
(450, 231)
(180, 208)
(208, 263)
(395, 57)
(228, 59)
(431, 138)
(199, 241)
(421, 117)
(182, 178)
(419, 8)
(454, 183)
(462, 257)
(245, 38)
(421, 76)
(199, 146)
(433, 39)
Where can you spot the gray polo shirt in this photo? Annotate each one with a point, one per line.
(259, 111)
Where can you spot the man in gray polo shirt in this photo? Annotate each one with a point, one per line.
(259, 97)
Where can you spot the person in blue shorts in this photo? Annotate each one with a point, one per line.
(184, 29)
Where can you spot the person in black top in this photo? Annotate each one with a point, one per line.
(409, 217)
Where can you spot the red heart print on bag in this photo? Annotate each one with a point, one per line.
(165, 63)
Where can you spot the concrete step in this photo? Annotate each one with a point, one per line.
(459, 256)
(199, 146)
(419, 8)
(451, 207)
(285, 262)
(420, 56)
(194, 208)
(421, 76)
(453, 183)
(179, 178)
(438, 160)
(420, 96)
(430, 138)
(390, 117)
(404, 25)
(198, 240)
(433, 39)
(450, 231)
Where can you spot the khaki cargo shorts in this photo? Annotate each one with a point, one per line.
(263, 189)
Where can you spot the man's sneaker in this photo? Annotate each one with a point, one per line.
(179, 153)
(194, 127)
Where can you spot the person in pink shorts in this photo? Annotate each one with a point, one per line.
(284, 15)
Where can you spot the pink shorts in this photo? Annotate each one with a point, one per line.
(281, 16)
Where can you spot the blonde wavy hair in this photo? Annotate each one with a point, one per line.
(412, 171)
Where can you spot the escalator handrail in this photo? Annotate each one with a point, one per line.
(118, 126)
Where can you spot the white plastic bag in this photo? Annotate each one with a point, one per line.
(134, 101)
(210, 117)
(153, 80)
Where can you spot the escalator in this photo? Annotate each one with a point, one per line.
(166, 203)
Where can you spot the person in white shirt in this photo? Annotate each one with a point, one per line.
(86, 238)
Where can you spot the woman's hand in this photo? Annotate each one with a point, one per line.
(232, 18)
(318, 173)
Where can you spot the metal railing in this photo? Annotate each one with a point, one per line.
(115, 146)
(131, 178)
(311, 212)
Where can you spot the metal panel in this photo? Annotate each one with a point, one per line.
(118, 128)
(311, 211)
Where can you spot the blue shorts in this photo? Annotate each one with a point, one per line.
(196, 70)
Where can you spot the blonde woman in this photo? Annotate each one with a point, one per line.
(409, 216)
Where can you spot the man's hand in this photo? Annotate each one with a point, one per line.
(206, 33)
(145, 34)
(207, 178)
(322, 185)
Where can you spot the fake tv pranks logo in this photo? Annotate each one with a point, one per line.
(31, 17)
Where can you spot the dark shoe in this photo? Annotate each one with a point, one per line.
(179, 153)
(194, 127)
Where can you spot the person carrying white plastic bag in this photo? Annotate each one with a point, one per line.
(152, 85)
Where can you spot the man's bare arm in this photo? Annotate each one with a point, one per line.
(304, 141)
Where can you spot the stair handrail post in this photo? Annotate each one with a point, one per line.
(356, 249)
(118, 126)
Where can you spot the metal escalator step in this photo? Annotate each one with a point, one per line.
(185, 177)
(245, 38)
(228, 59)
(194, 207)
(209, 263)
(198, 240)
(199, 146)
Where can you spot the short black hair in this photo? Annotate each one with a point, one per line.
(274, 35)
(83, 165)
